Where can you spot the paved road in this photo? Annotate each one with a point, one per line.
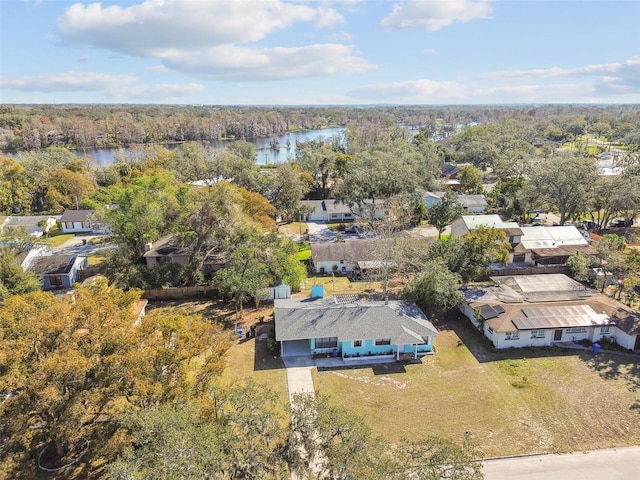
(76, 246)
(623, 463)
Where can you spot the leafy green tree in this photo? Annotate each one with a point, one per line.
(470, 179)
(565, 180)
(437, 459)
(436, 288)
(287, 188)
(14, 280)
(237, 434)
(330, 442)
(446, 211)
(71, 367)
(579, 266)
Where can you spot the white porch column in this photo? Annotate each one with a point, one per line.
(415, 351)
(398, 353)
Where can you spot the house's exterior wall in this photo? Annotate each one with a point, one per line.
(624, 339)
(75, 227)
(327, 266)
(369, 348)
(179, 259)
(458, 227)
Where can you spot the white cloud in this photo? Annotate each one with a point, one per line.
(145, 28)
(430, 51)
(328, 18)
(66, 82)
(258, 64)
(122, 87)
(611, 78)
(214, 38)
(435, 15)
(160, 92)
(157, 68)
(414, 91)
(450, 92)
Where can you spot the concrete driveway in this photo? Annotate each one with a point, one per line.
(81, 245)
(612, 464)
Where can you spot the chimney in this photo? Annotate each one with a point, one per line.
(386, 300)
(148, 247)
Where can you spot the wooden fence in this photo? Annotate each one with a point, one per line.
(179, 293)
(542, 269)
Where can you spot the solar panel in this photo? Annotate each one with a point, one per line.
(340, 299)
(491, 311)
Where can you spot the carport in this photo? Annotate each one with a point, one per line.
(291, 348)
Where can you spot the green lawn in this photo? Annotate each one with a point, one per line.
(512, 403)
(57, 240)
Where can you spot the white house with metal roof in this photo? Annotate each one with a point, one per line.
(543, 310)
(350, 328)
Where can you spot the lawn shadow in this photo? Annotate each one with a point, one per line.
(617, 366)
(263, 359)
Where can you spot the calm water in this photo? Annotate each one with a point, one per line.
(265, 153)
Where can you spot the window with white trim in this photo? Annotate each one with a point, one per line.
(538, 333)
(357, 343)
(512, 336)
(490, 330)
(604, 329)
(383, 341)
(326, 342)
(577, 330)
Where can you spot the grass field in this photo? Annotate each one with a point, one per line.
(512, 403)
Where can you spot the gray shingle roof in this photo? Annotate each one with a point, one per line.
(402, 322)
(349, 250)
(76, 215)
(52, 264)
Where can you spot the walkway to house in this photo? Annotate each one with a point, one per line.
(299, 378)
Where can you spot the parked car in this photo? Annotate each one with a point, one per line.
(617, 223)
(353, 229)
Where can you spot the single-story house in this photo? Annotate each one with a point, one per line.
(348, 327)
(79, 221)
(34, 225)
(544, 245)
(541, 245)
(168, 249)
(58, 271)
(470, 203)
(542, 310)
(333, 211)
(328, 211)
(344, 257)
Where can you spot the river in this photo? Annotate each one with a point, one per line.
(265, 152)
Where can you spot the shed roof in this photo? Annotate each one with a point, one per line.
(402, 322)
(52, 264)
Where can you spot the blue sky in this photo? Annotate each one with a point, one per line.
(262, 52)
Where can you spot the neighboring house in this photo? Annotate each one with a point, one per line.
(332, 211)
(449, 174)
(551, 245)
(470, 203)
(345, 257)
(168, 250)
(328, 211)
(539, 245)
(78, 221)
(544, 310)
(34, 225)
(58, 271)
(164, 250)
(348, 327)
